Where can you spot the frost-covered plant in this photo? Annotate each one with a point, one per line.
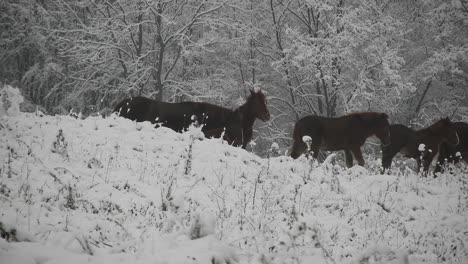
(301, 242)
(202, 225)
(188, 161)
(8, 169)
(8, 234)
(85, 245)
(26, 190)
(60, 145)
(11, 233)
(257, 181)
(463, 196)
(382, 255)
(109, 207)
(95, 163)
(4, 190)
(10, 100)
(274, 149)
(382, 197)
(167, 198)
(70, 200)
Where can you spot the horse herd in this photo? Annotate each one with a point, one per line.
(348, 133)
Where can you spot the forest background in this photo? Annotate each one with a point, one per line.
(408, 59)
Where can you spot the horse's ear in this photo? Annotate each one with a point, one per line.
(252, 91)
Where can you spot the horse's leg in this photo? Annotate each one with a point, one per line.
(418, 164)
(463, 158)
(443, 158)
(315, 146)
(298, 148)
(387, 157)
(426, 162)
(358, 155)
(315, 149)
(439, 167)
(349, 158)
(442, 162)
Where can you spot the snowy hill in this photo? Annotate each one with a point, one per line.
(114, 191)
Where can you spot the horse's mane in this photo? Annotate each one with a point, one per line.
(366, 114)
(436, 126)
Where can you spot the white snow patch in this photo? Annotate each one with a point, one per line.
(421, 147)
(307, 139)
(274, 147)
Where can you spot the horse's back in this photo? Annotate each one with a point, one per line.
(308, 125)
(401, 133)
(402, 139)
(137, 108)
(329, 126)
(327, 132)
(335, 133)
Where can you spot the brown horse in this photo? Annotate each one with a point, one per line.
(346, 133)
(449, 153)
(421, 145)
(236, 125)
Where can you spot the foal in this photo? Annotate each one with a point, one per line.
(346, 133)
(236, 125)
(422, 145)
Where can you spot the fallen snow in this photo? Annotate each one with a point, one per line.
(421, 147)
(115, 191)
(274, 147)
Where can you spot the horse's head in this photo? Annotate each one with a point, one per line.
(258, 105)
(295, 153)
(382, 128)
(444, 129)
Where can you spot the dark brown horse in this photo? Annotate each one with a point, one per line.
(235, 125)
(421, 145)
(449, 153)
(346, 133)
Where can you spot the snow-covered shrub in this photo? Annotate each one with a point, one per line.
(10, 100)
(7, 233)
(60, 145)
(203, 224)
(11, 234)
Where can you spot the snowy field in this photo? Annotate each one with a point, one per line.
(114, 191)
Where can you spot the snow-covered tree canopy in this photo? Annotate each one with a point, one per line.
(405, 58)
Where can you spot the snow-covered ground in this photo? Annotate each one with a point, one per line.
(115, 191)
